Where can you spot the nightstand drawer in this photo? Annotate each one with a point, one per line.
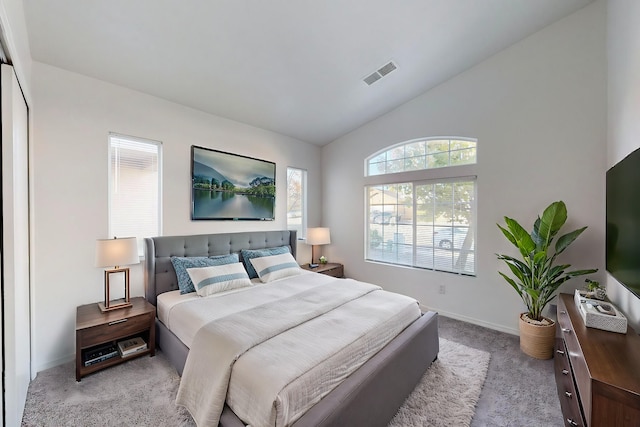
(337, 271)
(114, 330)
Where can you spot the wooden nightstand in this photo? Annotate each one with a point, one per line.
(330, 269)
(95, 328)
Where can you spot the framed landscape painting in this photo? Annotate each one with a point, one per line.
(228, 186)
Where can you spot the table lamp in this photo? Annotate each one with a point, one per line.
(317, 236)
(115, 253)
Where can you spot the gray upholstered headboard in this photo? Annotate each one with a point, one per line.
(159, 275)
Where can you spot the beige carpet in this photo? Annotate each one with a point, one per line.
(142, 392)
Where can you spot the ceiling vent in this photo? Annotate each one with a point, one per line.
(380, 73)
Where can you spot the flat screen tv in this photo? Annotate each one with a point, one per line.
(228, 186)
(623, 222)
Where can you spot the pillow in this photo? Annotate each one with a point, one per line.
(274, 267)
(180, 265)
(211, 280)
(248, 254)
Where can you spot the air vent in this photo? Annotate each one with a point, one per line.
(387, 69)
(371, 79)
(380, 73)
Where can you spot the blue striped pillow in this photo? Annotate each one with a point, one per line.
(219, 278)
(249, 254)
(270, 268)
(180, 265)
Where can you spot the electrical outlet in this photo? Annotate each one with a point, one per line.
(442, 290)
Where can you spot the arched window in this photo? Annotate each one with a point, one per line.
(421, 204)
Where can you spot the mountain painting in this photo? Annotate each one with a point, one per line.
(231, 187)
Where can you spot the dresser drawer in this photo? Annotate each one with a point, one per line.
(579, 369)
(114, 330)
(569, 400)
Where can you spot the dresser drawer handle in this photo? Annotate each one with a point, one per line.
(567, 393)
(571, 422)
(560, 352)
(565, 372)
(115, 322)
(563, 312)
(566, 330)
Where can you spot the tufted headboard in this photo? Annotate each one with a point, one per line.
(159, 275)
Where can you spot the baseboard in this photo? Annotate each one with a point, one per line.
(56, 362)
(467, 319)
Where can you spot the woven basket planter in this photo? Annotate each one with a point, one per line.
(537, 340)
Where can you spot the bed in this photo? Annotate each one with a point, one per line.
(369, 396)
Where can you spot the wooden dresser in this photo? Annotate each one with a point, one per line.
(597, 372)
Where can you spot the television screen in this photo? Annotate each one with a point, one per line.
(230, 186)
(623, 222)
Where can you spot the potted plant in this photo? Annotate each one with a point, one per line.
(536, 275)
(594, 290)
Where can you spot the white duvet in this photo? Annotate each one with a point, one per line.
(273, 351)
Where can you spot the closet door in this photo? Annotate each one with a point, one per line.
(15, 247)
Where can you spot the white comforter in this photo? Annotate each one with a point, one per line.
(287, 345)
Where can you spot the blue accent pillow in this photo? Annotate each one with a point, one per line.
(180, 265)
(247, 254)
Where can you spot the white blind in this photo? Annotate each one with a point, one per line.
(134, 188)
(297, 201)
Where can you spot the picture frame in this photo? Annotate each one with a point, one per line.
(227, 186)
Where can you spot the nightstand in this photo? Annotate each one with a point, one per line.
(330, 269)
(95, 329)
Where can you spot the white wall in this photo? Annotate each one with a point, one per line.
(73, 115)
(14, 33)
(623, 50)
(538, 110)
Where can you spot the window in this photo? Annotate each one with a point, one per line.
(297, 201)
(135, 178)
(423, 154)
(421, 205)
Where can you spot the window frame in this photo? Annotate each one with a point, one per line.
(304, 184)
(159, 152)
(465, 172)
(367, 162)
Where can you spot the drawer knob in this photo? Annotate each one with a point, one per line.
(560, 352)
(563, 312)
(566, 330)
(565, 372)
(567, 393)
(115, 322)
(571, 422)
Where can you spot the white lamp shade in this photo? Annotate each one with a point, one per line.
(116, 252)
(318, 236)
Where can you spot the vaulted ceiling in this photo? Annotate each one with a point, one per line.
(291, 66)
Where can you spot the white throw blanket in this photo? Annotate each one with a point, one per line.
(219, 344)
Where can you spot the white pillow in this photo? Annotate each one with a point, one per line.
(218, 278)
(270, 268)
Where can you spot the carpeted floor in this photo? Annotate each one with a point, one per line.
(123, 395)
(518, 390)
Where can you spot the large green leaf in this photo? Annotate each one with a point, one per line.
(564, 241)
(508, 235)
(523, 239)
(511, 282)
(581, 272)
(553, 218)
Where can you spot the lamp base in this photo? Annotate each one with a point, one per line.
(114, 305)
